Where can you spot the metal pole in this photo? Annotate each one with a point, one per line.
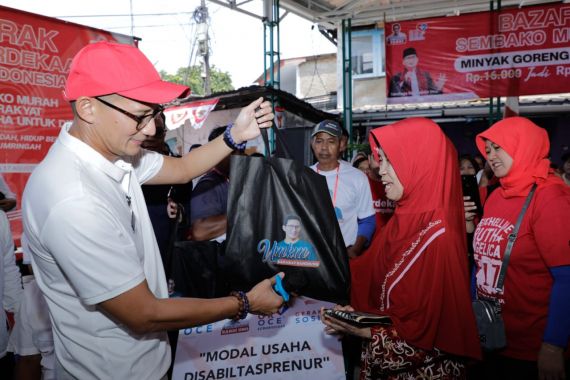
(347, 78)
(498, 117)
(272, 56)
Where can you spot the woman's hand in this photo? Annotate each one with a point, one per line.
(469, 214)
(334, 326)
(551, 362)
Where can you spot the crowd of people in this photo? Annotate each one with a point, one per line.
(99, 268)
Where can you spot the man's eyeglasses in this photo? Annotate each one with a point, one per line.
(142, 121)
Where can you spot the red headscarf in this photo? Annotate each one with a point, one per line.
(528, 146)
(420, 278)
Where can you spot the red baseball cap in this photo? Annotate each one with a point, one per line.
(104, 68)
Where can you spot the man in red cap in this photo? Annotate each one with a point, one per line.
(87, 227)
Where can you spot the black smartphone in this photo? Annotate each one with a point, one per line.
(471, 190)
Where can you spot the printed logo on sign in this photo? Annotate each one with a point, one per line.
(308, 316)
(420, 33)
(234, 327)
(197, 330)
(291, 251)
(177, 117)
(268, 322)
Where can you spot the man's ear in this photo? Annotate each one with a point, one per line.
(85, 109)
(343, 143)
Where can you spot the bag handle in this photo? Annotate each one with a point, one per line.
(512, 238)
(264, 135)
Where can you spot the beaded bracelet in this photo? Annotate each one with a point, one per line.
(243, 302)
(230, 141)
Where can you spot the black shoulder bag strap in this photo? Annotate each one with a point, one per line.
(512, 238)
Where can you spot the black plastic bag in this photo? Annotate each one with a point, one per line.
(263, 192)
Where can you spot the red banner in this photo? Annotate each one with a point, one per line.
(35, 55)
(520, 51)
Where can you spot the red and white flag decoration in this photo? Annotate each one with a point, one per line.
(195, 112)
(511, 107)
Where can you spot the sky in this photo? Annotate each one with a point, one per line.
(236, 39)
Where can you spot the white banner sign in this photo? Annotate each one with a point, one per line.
(292, 345)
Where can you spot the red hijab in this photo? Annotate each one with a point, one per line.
(528, 146)
(420, 278)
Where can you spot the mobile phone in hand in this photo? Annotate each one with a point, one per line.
(471, 190)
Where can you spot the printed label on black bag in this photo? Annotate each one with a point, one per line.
(292, 250)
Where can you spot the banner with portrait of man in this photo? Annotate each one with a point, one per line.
(508, 52)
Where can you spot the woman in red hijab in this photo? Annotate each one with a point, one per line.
(420, 276)
(535, 300)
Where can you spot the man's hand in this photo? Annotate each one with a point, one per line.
(551, 362)
(263, 300)
(354, 251)
(357, 248)
(251, 118)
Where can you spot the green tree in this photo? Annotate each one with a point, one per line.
(220, 81)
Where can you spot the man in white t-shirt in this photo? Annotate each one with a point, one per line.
(94, 253)
(348, 187)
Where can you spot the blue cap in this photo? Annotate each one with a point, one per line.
(328, 126)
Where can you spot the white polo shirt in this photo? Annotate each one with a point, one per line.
(353, 198)
(89, 245)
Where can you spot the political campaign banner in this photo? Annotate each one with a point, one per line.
(35, 56)
(508, 52)
(194, 114)
(291, 345)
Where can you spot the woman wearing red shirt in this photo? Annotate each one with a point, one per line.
(536, 296)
